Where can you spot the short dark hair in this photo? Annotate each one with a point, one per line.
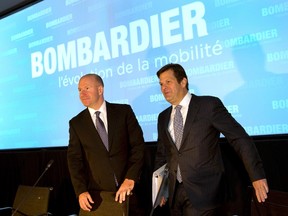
(179, 72)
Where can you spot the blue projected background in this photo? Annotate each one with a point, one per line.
(234, 49)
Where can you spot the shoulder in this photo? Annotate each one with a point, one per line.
(114, 107)
(205, 99)
(165, 112)
(83, 114)
(117, 106)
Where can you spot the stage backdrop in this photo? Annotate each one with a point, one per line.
(234, 49)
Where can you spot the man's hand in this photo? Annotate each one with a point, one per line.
(261, 189)
(125, 189)
(85, 200)
(162, 202)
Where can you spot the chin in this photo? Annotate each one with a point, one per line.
(168, 99)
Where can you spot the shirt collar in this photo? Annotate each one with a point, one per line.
(185, 101)
(102, 109)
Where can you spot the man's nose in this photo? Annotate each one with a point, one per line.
(83, 92)
(163, 87)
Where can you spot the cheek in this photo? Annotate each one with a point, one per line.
(81, 94)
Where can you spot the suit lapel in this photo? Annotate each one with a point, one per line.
(90, 127)
(110, 117)
(88, 121)
(166, 124)
(192, 111)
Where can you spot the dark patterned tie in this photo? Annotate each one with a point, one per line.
(178, 133)
(101, 130)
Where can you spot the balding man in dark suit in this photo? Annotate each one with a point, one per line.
(103, 168)
(188, 133)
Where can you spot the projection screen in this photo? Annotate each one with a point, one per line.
(236, 50)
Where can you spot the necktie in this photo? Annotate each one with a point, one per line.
(104, 136)
(178, 132)
(101, 130)
(178, 126)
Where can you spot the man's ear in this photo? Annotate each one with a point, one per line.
(184, 82)
(100, 90)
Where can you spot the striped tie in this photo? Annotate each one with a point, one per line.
(178, 132)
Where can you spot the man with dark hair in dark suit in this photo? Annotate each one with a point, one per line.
(188, 133)
(105, 156)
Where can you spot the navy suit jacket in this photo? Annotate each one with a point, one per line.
(199, 156)
(91, 166)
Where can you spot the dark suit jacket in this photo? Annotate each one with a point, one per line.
(199, 156)
(91, 166)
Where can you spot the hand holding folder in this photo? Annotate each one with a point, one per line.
(159, 186)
